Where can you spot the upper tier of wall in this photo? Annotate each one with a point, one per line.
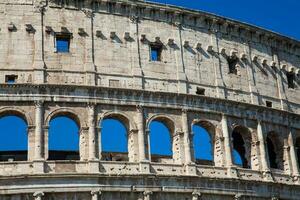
(196, 46)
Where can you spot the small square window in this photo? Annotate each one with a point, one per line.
(155, 52)
(11, 79)
(290, 79)
(200, 91)
(63, 43)
(269, 104)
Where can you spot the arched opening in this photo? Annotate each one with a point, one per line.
(63, 139)
(241, 140)
(114, 140)
(14, 143)
(160, 141)
(273, 160)
(202, 143)
(297, 148)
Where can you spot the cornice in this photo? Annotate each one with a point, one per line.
(182, 15)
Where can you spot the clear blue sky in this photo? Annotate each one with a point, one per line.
(275, 15)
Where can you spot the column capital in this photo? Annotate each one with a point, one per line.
(196, 193)
(38, 194)
(91, 105)
(147, 193)
(96, 192)
(237, 196)
(38, 103)
(140, 108)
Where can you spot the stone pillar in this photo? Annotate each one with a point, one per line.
(89, 66)
(38, 195)
(263, 155)
(293, 155)
(186, 137)
(38, 40)
(262, 149)
(39, 140)
(147, 195)
(95, 194)
(196, 195)
(99, 143)
(93, 155)
(181, 75)
(141, 133)
(149, 147)
(227, 142)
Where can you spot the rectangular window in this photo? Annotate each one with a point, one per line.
(290, 79)
(232, 62)
(200, 91)
(269, 104)
(11, 79)
(155, 52)
(63, 43)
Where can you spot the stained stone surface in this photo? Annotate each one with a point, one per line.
(108, 73)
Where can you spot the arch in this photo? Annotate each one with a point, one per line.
(63, 126)
(122, 117)
(274, 148)
(168, 121)
(64, 112)
(241, 143)
(17, 112)
(297, 148)
(203, 141)
(160, 141)
(14, 146)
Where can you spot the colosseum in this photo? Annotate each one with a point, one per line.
(140, 62)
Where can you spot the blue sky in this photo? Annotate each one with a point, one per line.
(275, 15)
(63, 135)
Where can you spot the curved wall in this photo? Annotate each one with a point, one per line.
(108, 73)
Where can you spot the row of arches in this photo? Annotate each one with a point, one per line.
(63, 140)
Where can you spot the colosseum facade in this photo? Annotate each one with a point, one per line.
(140, 62)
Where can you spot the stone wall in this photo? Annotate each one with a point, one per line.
(108, 73)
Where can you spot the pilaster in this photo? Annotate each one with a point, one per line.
(141, 133)
(263, 155)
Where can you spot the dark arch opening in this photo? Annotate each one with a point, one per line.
(114, 140)
(272, 153)
(239, 147)
(63, 139)
(202, 142)
(14, 143)
(297, 148)
(160, 141)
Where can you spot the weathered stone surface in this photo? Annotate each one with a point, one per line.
(108, 73)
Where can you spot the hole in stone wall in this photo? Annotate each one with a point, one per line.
(203, 148)
(160, 142)
(14, 143)
(272, 153)
(155, 52)
(63, 139)
(11, 79)
(114, 140)
(232, 64)
(62, 42)
(200, 91)
(290, 79)
(269, 104)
